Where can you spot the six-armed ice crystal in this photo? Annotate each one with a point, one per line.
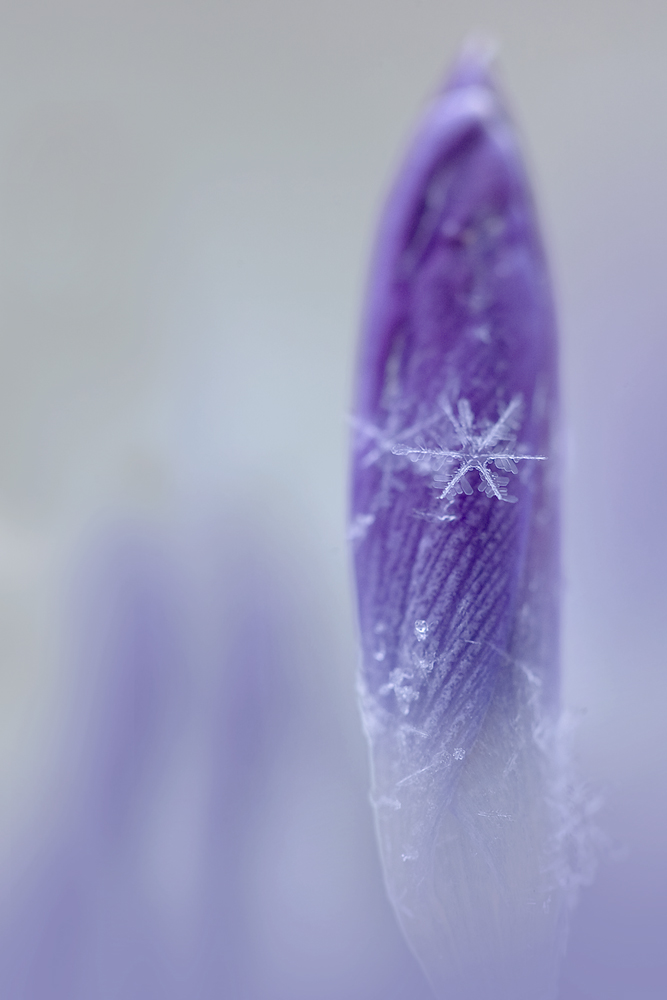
(479, 447)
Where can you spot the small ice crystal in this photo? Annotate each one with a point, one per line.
(421, 630)
(405, 693)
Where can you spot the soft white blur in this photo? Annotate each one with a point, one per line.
(188, 190)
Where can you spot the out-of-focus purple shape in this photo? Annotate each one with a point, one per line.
(208, 837)
(455, 531)
(80, 920)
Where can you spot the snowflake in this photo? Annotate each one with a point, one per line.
(480, 448)
(385, 439)
(382, 443)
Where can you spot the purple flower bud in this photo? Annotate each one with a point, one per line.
(455, 532)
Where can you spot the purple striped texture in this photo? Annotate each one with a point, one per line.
(454, 525)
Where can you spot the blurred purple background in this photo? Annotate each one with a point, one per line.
(188, 192)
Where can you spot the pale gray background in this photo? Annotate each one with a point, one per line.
(188, 192)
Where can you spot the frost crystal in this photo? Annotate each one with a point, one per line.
(479, 448)
(421, 630)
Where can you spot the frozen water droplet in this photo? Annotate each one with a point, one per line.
(459, 753)
(426, 666)
(421, 630)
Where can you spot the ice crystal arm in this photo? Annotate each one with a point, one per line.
(458, 592)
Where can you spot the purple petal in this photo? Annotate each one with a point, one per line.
(457, 563)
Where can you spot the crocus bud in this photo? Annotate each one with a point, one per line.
(455, 533)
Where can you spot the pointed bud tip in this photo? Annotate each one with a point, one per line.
(474, 65)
